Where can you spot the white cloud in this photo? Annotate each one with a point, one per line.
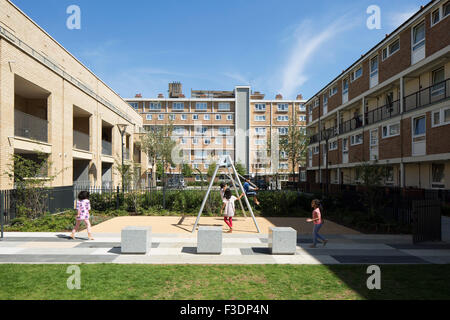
(308, 39)
(237, 77)
(396, 19)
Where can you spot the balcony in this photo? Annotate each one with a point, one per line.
(329, 133)
(351, 125)
(30, 127)
(81, 141)
(425, 97)
(314, 138)
(385, 112)
(106, 148)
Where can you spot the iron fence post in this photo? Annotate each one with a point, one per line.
(1, 215)
(117, 198)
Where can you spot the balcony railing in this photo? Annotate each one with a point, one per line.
(106, 148)
(314, 138)
(351, 125)
(30, 127)
(329, 133)
(385, 112)
(81, 141)
(427, 96)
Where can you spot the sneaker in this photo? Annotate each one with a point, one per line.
(325, 243)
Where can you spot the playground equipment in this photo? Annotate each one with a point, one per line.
(227, 163)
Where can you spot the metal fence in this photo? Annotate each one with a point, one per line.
(30, 127)
(427, 96)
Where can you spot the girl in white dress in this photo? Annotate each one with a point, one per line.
(229, 208)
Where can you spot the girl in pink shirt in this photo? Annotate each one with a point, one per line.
(83, 208)
(318, 222)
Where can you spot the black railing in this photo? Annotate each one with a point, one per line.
(351, 125)
(314, 138)
(385, 112)
(422, 98)
(329, 133)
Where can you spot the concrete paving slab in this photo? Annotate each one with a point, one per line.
(61, 259)
(379, 259)
(427, 253)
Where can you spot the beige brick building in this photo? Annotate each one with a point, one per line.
(391, 106)
(51, 103)
(239, 123)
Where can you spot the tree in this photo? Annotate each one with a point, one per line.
(131, 178)
(186, 170)
(295, 144)
(31, 178)
(158, 145)
(240, 168)
(211, 169)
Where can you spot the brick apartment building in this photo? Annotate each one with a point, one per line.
(391, 106)
(51, 103)
(213, 123)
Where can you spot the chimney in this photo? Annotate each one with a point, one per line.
(160, 96)
(300, 97)
(138, 95)
(279, 97)
(175, 89)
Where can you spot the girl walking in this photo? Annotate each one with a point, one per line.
(83, 208)
(229, 208)
(318, 222)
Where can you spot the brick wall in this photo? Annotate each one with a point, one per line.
(336, 100)
(437, 36)
(360, 85)
(399, 61)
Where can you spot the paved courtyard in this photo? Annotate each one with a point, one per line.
(57, 248)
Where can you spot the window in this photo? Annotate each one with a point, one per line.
(207, 117)
(374, 137)
(183, 117)
(283, 155)
(260, 131)
(316, 150)
(178, 130)
(356, 139)
(197, 177)
(200, 154)
(134, 105)
(333, 91)
(283, 118)
(302, 108)
(325, 101)
(391, 49)
(149, 117)
(419, 126)
(206, 166)
(284, 166)
(218, 117)
(391, 130)
(229, 141)
(201, 106)
(195, 117)
(345, 86)
(441, 117)
(435, 16)
(438, 80)
(389, 175)
(224, 106)
(201, 130)
(437, 175)
(160, 117)
(302, 118)
(207, 142)
(356, 74)
(172, 117)
(283, 131)
(316, 103)
(183, 141)
(419, 36)
(229, 117)
(260, 142)
(333, 146)
(283, 107)
(374, 66)
(224, 131)
(446, 9)
(260, 118)
(155, 106)
(260, 107)
(194, 141)
(178, 106)
(219, 141)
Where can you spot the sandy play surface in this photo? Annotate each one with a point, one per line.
(241, 225)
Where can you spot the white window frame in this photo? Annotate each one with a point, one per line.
(161, 117)
(134, 105)
(389, 53)
(218, 141)
(374, 73)
(441, 113)
(195, 117)
(333, 90)
(229, 117)
(195, 141)
(172, 117)
(353, 76)
(222, 108)
(230, 141)
(218, 117)
(260, 118)
(207, 117)
(260, 142)
(333, 146)
(283, 107)
(149, 117)
(263, 133)
(421, 43)
(440, 184)
(316, 150)
(353, 141)
(283, 166)
(302, 118)
(152, 106)
(226, 129)
(302, 108)
(207, 141)
(283, 118)
(283, 131)
(203, 131)
(183, 117)
(414, 135)
(345, 90)
(178, 106)
(198, 108)
(259, 107)
(434, 91)
(388, 126)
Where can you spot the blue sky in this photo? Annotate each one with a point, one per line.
(285, 46)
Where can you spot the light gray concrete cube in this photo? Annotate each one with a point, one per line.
(209, 240)
(282, 240)
(136, 240)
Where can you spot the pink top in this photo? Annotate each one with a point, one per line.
(317, 215)
(83, 208)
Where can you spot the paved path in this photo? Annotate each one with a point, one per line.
(56, 248)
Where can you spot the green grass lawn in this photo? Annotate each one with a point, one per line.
(251, 282)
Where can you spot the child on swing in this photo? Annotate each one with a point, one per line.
(229, 208)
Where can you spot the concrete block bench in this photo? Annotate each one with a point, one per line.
(136, 240)
(209, 240)
(282, 241)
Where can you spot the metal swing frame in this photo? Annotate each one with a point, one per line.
(226, 162)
